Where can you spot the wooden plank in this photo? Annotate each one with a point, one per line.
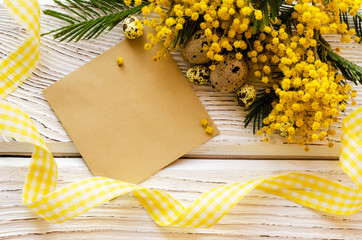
(59, 59)
(259, 215)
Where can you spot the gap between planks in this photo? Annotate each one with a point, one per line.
(208, 151)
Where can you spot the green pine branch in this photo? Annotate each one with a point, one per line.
(350, 71)
(189, 28)
(356, 22)
(285, 16)
(85, 22)
(270, 9)
(260, 109)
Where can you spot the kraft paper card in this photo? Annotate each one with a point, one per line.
(128, 122)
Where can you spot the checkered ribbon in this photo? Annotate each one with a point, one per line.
(58, 205)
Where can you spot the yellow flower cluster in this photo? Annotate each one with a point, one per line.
(208, 128)
(228, 23)
(324, 18)
(310, 93)
(225, 23)
(120, 61)
(310, 99)
(313, 20)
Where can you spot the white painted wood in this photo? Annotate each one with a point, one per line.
(59, 59)
(259, 215)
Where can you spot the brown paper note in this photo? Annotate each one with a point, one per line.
(129, 122)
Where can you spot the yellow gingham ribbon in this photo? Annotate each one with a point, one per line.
(58, 205)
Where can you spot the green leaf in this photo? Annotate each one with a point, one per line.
(189, 28)
(255, 26)
(266, 14)
(61, 16)
(350, 71)
(356, 20)
(260, 109)
(70, 9)
(90, 23)
(273, 9)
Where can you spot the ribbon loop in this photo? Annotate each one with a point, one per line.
(18, 66)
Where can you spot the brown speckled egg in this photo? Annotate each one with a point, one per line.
(193, 51)
(198, 74)
(130, 29)
(246, 95)
(229, 74)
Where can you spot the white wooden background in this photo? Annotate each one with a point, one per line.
(259, 215)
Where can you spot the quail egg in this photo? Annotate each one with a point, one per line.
(198, 74)
(246, 95)
(132, 27)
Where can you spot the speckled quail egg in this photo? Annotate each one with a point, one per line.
(198, 74)
(193, 51)
(283, 130)
(246, 95)
(229, 74)
(132, 27)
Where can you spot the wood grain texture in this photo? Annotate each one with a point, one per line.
(258, 216)
(59, 59)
